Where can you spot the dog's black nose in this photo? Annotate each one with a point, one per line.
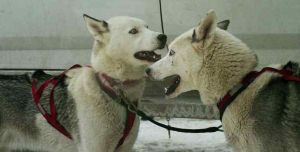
(148, 71)
(162, 38)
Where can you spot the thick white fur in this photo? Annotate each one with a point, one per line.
(102, 120)
(213, 62)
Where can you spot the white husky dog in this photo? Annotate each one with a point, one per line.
(123, 48)
(264, 117)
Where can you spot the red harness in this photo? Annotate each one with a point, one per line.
(105, 84)
(285, 74)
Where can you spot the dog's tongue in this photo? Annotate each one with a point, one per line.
(150, 56)
(175, 83)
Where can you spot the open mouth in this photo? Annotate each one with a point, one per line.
(175, 81)
(149, 56)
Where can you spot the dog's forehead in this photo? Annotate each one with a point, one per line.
(125, 21)
(182, 39)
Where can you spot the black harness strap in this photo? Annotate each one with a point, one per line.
(123, 101)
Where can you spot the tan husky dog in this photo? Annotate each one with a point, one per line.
(265, 117)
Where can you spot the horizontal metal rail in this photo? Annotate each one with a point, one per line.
(29, 69)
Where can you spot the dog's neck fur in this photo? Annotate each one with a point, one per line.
(115, 68)
(224, 66)
(119, 70)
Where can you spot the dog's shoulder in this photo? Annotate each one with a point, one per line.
(40, 75)
(269, 80)
(274, 94)
(294, 67)
(83, 78)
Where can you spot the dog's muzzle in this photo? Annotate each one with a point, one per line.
(149, 56)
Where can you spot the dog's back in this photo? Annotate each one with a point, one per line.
(18, 113)
(266, 116)
(277, 114)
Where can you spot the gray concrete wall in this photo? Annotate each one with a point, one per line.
(247, 16)
(57, 24)
(52, 34)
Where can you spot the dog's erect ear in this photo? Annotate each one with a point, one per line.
(95, 27)
(223, 24)
(203, 34)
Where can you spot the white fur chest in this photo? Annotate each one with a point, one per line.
(101, 120)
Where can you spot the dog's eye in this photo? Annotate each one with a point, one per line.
(171, 52)
(133, 31)
(147, 26)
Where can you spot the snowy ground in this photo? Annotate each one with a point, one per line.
(154, 139)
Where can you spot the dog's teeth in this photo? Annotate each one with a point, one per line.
(166, 90)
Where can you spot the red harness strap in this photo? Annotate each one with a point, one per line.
(130, 122)
(37, 94)
(52, 116)
(285, 73)
(105, 83)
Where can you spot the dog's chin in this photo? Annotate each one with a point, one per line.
(173, 95)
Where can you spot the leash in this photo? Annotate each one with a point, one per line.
(183, 130)
(287, 73)
(161, 18)
(123, 100)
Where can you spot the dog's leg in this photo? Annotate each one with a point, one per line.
(99, 130)
(130, 140)
(126, 147)
(51, 140)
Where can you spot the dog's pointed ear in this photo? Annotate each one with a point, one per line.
(204, 34)
(223, 24)
(95, 27)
